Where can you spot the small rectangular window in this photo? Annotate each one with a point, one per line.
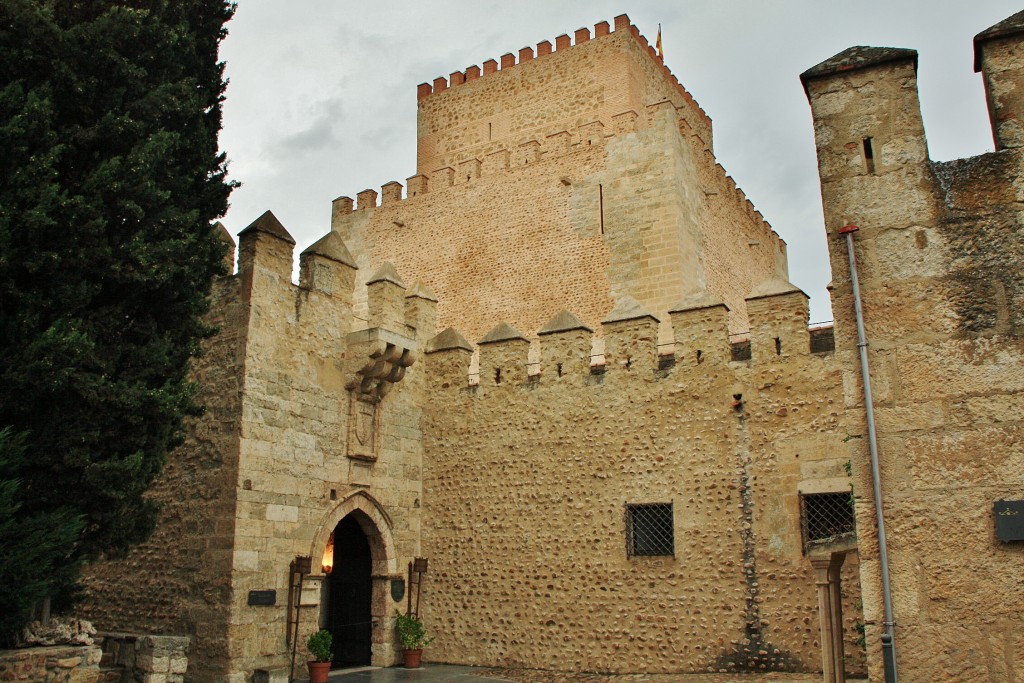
(740, 350)
(650, 530)
(869, 155)
(827, 518)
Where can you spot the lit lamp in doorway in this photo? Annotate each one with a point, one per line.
(327, 564)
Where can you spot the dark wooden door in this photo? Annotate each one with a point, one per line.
(350, 593)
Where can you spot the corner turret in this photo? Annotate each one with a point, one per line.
(385, 296)
(865, 154)
(229, 247)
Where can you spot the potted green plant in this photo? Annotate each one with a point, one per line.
(413, 638)
(319, 645)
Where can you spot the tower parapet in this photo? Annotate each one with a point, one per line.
(466, 114)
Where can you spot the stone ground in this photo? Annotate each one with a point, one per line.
(442, 673)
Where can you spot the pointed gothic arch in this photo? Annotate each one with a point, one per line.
(377, 526)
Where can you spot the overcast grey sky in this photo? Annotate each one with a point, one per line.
(322, 98)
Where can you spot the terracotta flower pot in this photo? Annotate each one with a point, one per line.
(412, 658)
(318, 671)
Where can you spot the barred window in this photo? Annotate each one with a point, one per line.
(826, 518)
(650, 529)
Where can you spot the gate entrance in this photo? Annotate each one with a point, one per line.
(350, 591)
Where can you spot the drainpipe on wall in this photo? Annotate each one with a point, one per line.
(888, 638)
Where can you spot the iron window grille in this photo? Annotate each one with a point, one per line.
(826, 518)
(650, 530)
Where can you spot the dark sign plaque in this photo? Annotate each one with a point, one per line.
(262, 598)
(1009, 515)
(397, 589)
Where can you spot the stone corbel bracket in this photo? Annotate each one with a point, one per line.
(388, 358)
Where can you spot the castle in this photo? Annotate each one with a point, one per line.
(645, 461)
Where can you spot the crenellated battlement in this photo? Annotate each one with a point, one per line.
(544, 48)
(778, 334)
(327, 282)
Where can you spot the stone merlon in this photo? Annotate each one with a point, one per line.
(268, 223)
(857, 57)
(704, 299)
(421, 291)
(331, 246)
(1007, 27)
(774, 287)
(502, 332)
(628, 308)
(563, 322)
(448, 340)
(386, 273)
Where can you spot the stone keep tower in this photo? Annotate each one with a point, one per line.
(940, 253)
(574, 175)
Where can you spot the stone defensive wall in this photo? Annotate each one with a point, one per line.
(940, 263)
(558, 144)
(179, 580)
(528, 477)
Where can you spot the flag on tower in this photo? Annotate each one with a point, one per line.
(657, 44)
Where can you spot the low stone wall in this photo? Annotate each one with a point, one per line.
(54, 664)
(147, 659)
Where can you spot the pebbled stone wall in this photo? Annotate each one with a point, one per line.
(526, 484)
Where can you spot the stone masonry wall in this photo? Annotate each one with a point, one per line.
(146, 658)
(939, 254)
(265, 474)
(179, 581)
(296, 478)
(526, 483)
(55, 664)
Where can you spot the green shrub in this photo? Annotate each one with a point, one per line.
(411, 632)
(320, 646)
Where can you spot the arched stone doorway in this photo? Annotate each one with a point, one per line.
(348, 593)
(364, 563)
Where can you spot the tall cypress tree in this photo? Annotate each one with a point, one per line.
(110, 179)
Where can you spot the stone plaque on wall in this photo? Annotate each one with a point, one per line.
(1009, 516)
(265, 598)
